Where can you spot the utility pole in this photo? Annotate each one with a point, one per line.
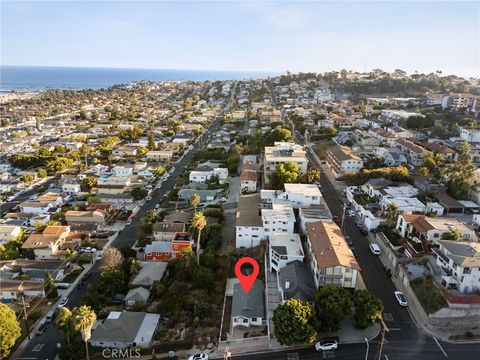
(343, 216)
(368, 348)
(25, 315)
(384, 329)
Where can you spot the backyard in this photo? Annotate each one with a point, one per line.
(428, 294)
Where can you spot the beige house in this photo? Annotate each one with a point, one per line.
(331, 259)
(48, 244)
(86, 218)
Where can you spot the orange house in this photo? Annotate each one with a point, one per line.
(166, 250)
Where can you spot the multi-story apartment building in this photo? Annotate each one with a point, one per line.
(331, 260)
(283, 152)
(298, 195)
(342, 161)
(413, 152)
(470, 135)
(467, 102)
(279, 219)
(461, 261)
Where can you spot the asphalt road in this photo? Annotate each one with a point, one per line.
(45, 346)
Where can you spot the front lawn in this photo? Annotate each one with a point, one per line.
(70, 278)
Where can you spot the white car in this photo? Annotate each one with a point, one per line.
(63, 302)
(199, 356)
(157, 206)
(99, 255)
(375, 249)
(326, 345)
(351, 213)
(401, 298)
(129, 222)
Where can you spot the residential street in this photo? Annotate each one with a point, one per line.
(45, 346)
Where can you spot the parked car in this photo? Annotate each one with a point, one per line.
(349, 241)
(363, 230)
(50, 316)
(326, 345)
(99, 255)
(41, 329)
(63, 302)
(129, 222)
(351, 213)
(401, 298)
(374, 248)
(157, 206)
(199, 356)
(149, 198)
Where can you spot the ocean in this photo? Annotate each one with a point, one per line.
(40, 77)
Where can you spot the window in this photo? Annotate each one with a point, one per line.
(245, 321)
(254, 319)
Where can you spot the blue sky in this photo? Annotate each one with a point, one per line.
(240, 35)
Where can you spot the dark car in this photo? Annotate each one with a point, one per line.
(349, 241)
(41, 329)
(363, 231)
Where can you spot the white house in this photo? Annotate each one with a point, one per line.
(301, 195)
(248, 181)
(112, 332)
(36, 207)
(202, 176)
(160, 155)
(432, 228)
(391, 156)
(283, 249)
(123, 170)
(413, 152)
(462, 261)
(248, 222)
(9, 232)
(470, 135)
(331, 260)
(280, 218)
(71, 188)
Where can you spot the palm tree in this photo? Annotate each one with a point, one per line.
(195, 200)
(84, 319)
(198, 222)
(64, 322)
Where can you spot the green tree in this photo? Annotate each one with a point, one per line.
(295, 323)
(41, 173)
(461, 174)
(198, 223)
(50, 288)
(286, 173)
(159, 171)
(423, 171)
(391, 214)
(368, 308)
(429, 162)
(312, 175)
(195, 200)
(282, 134)
(88, 183)
(27, 178)
(151, 142)
(9, 330)
(139, 193)
(333, 305)
(84, 318)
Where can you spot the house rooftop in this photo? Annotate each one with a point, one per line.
(305, 189)
(329, 246)
(286, 244)
(247, 211)
(342, 153)
(464, 254)
(251, 304)
(296, 281)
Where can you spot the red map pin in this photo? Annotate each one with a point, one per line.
(247, 280)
